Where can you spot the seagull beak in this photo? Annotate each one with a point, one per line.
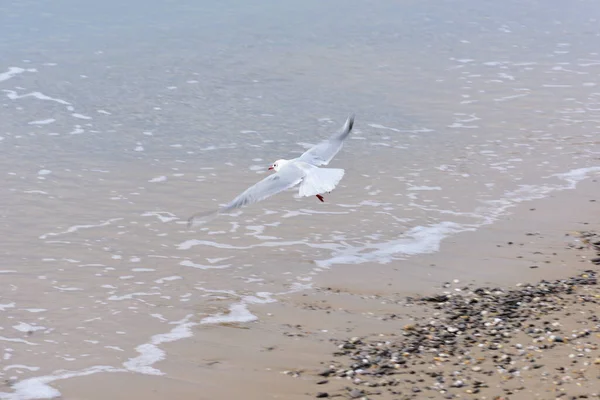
(271, 167)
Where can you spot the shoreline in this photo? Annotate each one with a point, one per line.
(281, 355)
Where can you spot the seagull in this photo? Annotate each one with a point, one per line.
(303, 171)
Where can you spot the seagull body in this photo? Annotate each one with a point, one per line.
(303, 171)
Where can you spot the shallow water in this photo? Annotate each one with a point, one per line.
(119, 121)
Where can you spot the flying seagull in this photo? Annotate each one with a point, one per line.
(303, 170)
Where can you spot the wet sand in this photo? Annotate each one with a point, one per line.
(285, 354)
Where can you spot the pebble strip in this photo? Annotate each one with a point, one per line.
(483, 343)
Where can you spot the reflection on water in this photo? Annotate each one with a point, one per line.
(121, 120)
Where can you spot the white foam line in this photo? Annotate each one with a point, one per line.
(75, 228)
(297, 213)
(378, 126)
(218, 259)
(25, 327)
(38, 388)
(6, 305)
(7, 271)
(418, 240)
(238, 312)
(131, 296)
(548, 85)
(80, 116)
(188, 263)
(450, 212)
(67, 289)
(42, 122)
(17, 340)
(427, 239)
(380, 144)
(14, 71)
(11, 94)
(158, 214)
(20, 366)
(304, 211)
(35, 192)
(188, 244)
(168, 278)
(424, 188)
(514, 96)
(161, 178)
(150, 353)
(576, 175)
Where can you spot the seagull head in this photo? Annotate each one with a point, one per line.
(278, 164)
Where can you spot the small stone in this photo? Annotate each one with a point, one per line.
(416, 389)
(322, 382)
(322, 395)
(355, 393)
(326, 372)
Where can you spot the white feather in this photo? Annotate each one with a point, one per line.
(320, 180)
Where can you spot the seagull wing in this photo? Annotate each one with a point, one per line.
(287, 177)
(323, 153)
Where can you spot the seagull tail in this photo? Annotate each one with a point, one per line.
(320, 180)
